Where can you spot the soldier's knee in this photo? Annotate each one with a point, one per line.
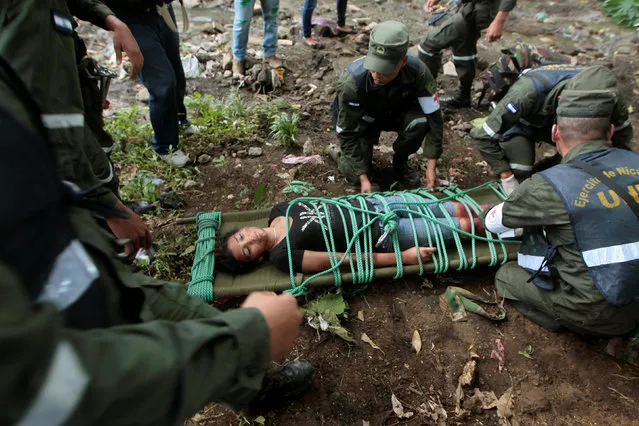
(345, 169)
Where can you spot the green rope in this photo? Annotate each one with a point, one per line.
(202, 272)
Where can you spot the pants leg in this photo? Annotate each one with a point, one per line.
(527, 298)
(270, 13)
(520, 152)
(366, 146)
(172, 48)
(341, 12)
(158, 76)
(241, 27)
(453, 31)
(307, 17)
(411, 135)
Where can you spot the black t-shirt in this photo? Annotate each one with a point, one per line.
(305, 232)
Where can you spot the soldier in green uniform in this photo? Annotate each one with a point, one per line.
(579, 259)
(390, 91)
(461, 32)
(36, 38)
(84, 340)
(526, 114)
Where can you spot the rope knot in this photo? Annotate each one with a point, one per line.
(389, 221)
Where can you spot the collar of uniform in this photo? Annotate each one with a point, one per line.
(584, 148)
(403, 77)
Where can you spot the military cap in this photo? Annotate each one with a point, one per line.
(387, 46)
(591, 93)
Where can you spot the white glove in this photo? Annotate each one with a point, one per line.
(509, 184)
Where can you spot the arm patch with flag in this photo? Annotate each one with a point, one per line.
(429, 104)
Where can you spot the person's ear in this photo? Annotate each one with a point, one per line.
(555, 133)
(610, 132)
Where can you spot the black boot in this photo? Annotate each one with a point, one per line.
(281, 386)
(407, 175)
(461, 98)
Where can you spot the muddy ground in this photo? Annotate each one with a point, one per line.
(568, 380)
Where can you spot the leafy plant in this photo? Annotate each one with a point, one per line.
(324, 314)
(284, 128)
(173, 256)
(622, 12)
(219, 162)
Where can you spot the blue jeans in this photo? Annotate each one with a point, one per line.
(423, 228)
(162, 75)
(307, 15)
(242, 26)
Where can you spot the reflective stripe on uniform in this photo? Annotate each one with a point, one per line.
(107, 149)
(62, 121)
(522, 167)
(531, 262)
(110, 177)
(464, 58)
(338, 129)
(613, 254)
(61, 392)
(489, 131)
(368, 118)
(72, 274)
(624, 125)
(415, 122)
(419, 47)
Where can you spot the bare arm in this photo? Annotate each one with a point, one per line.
(317, 261)
(496, 28)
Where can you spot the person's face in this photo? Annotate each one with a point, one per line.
(247, 244)
(382, 79)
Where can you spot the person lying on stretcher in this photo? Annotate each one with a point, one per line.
(308, 233)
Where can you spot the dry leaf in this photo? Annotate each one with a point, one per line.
(398, 408)
(505, 409)
(417, 341)
(365, 422)
(360, 315)
(368, 340)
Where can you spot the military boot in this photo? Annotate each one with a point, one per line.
(282, 386)
(461, 98)
(406, 174)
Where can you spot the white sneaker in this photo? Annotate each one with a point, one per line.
(190, 129)
(177, 159)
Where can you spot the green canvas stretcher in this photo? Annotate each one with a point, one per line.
(209, 284)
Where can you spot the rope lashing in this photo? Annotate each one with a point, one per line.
(203, 269)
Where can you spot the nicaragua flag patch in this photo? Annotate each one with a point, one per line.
(512, 108)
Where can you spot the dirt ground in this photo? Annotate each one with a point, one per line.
(568, 381)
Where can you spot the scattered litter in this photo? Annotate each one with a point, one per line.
(456, 301)
(449, 69)
(499, 354)
(416, 341)
(331, 178)
(398, 408)
(482, 164)
(527, 352)
(540, 16)
(170, 200)
(300, 159)
(299, 187)
(368, 340)
(192, 66)
(360, 315)
(312, 89)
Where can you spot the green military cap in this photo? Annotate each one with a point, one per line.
(591, 93)
(387, 46)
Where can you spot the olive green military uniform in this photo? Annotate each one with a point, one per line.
(163, 357)
(408, 105)
(517, 152)
(37, 42)
(461, 32)
(575, 302)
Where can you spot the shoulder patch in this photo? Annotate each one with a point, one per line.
(62, 23)
(512, 108)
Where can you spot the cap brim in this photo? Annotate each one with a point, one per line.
(382, 66)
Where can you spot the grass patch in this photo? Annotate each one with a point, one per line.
(173, 256)
(284, 128)
(622, 12)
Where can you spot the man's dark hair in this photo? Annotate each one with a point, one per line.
(225, 259)
(581, 129)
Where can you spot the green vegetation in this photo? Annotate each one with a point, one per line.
(173, 256)
(284, 128)
(622, 12)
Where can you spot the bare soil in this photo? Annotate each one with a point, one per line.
(568, 381)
